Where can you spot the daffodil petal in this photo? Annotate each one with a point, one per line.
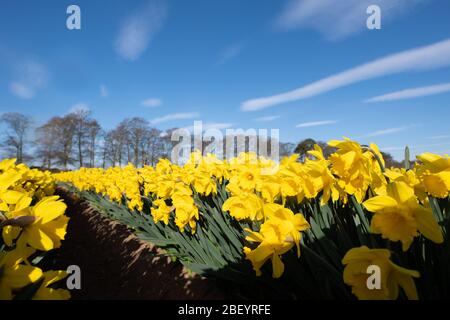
(379, 203)
(427, 225)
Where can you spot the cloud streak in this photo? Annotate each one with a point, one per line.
(175, 116)
(139, 29)
(217, 125)
(429, 57)
(412, 93)
(336, 20)
(212, 125)
(416, 147)
(316, 123)
(386, 131)
(447, 136)
(151, 103)
(230, 52)
(21, 90)
(266, 119)
(30, 77)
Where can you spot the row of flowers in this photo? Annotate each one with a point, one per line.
(396, 204)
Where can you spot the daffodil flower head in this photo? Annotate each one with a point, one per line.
(14, 274)
(398, 216)
(272, 244)
(435, 174)
(291, 225)
(244, 206)
(392, 277)
(46, 292)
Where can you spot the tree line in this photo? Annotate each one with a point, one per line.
(77, 140)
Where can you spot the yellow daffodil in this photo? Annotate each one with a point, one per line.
(162, 212)
(399, 216)
(319, 171)
(47, 227)
(270, 189)
(186, 213)
(29, 215)
(248, 178)
(277, 235)
(9, 178)
(47, 293)
(204, 184)
(392, 277)
(435, 174)
(290, 224)
(352, 165)
(410, 178)
(14, 274)
(272, 244)
(244, 206)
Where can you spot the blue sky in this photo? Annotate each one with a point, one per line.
(308, 67)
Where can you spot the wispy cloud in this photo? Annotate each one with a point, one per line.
(104, 92)
(139, 29)
(316, 123)
(399, 152)
(30, 76)
(446, 136)
(21, 90)
(230, 52)
(416, 147)
(80, 107)
(151, 103)
(429, 57)
(266, 119)
(175, 116)
(338, 19)
(412, 93)
(217, 125)
(212, 125)
(387, 131)
(430, 145)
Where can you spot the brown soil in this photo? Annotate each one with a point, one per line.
(115, 264)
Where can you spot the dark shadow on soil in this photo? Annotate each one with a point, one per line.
(115, 264)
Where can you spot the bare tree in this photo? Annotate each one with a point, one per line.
(107, 149)
(167, 142)
(16, 134)
(61, 131)
(308, 144)
(80, 120)
(134, 141)
(390, 162)
(154, 148)
(303, 147)
(137, 129)
(46, 144)
(121, 136)
(93, 130)
(115, 146)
